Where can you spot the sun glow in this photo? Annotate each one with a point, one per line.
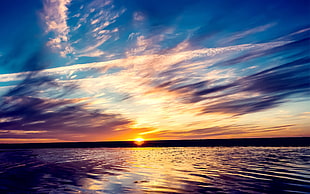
(139, 141)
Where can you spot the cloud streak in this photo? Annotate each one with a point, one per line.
(166, 61)
(65, 120)
(226, 131)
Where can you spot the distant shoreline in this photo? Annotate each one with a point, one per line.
(265, 142)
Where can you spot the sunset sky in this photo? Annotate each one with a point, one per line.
(102, 70)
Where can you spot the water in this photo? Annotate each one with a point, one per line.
(156, 170)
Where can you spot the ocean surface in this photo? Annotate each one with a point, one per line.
(156, 170)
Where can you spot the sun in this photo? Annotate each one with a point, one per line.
(139, 141)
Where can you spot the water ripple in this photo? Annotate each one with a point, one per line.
(156, 170)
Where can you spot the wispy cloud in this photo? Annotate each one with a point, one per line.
(55, 17)
(95, 20)
(157, 62)
(226, 131)
(243, 34)
(94, 53)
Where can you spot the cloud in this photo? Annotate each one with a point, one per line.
(300, 44)
(240, 35)
(55, 17)
(238, 95)
(69, 120)
(96, 21)
(40, 107)
(162, 62)
(168, 75)
(270, 88)
(95, 53)
(142, 79)
(225, 131)
(99, 42)
(138, 16)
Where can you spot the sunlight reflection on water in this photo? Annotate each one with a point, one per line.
(161, 170)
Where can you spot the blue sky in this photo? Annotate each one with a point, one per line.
(98, 70)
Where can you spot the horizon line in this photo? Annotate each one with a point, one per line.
(270, 141)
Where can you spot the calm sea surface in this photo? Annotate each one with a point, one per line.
(156, 170)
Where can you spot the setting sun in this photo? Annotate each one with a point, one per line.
(139, 141)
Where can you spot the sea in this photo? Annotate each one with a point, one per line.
(156, 170)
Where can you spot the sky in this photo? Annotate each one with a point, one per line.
(107, 70)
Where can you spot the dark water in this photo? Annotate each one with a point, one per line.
(156, 170)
